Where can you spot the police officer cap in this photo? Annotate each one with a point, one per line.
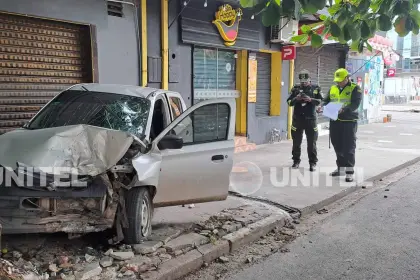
(304, 76)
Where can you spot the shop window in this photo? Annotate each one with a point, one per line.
(214, 74)
(115, 9)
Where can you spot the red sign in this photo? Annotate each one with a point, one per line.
(288, 53)
(318, 31)
(390, 72)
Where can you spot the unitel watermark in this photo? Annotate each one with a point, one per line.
(44, 177)
(248, 178)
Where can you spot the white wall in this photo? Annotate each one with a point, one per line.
(401, 86)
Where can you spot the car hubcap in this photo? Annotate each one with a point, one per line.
(145, 217)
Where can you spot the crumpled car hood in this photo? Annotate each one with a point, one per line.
(87, 150)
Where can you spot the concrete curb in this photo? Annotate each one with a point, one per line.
(403, 111)
(254, 231)
(195, 259)
(314, 207)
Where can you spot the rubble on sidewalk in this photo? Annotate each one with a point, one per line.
(167, 247)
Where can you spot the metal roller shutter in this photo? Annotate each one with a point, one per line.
(38, 59)
(329, 63)
(262, 106)
(307, 59)
(321, 64)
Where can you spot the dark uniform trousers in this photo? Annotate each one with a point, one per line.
(343, 139)
(311, 130)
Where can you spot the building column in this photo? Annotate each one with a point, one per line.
(290, 109)
(275, 98)
(242, 87)
(165, 47)
(143, 15)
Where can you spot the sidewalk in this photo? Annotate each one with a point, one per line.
(380, 147)
(413, 106)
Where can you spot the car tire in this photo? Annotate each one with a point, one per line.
(139, 208)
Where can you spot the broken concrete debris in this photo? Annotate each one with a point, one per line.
(122, 256)
(89, 258)
(166, 247)
(106, 261)
(190, 240)
(147, 247)
(224, 259)
(91, 270)
(322, 211)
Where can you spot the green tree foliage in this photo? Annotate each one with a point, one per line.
(351, 22)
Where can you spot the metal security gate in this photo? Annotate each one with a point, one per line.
(262, 106)
(329, 59)
(38, 59)
(307, 59)
(321, 64)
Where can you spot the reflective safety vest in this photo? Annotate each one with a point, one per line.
(344, 97)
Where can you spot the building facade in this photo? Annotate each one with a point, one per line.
(184, 46)
(49, 45)
(250, 69)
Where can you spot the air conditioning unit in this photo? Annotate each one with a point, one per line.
(284, 31)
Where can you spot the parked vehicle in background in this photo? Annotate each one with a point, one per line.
(102, 156)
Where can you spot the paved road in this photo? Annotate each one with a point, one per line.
(378, 238)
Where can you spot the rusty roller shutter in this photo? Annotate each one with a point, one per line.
(38, 59)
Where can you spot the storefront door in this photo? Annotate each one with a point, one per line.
(214, 74)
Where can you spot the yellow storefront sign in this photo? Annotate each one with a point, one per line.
(227, 22)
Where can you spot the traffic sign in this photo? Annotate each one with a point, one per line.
(288, 53)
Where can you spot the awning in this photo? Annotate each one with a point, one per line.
(384, 47)
(319, 31)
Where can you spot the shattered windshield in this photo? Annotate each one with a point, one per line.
(107, 110)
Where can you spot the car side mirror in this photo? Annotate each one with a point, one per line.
(171, 141)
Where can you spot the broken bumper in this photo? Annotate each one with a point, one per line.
(67, 210)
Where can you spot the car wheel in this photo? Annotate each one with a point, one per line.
(139, 207)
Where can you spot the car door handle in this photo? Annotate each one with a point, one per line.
(217, 158)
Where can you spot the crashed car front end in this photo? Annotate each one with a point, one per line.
(70, 179)
(68, 169)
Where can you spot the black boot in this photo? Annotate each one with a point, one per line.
(337, 173)
(312, 167)
(295, 165)
(349, 178)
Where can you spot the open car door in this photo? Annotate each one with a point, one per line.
(199, 171)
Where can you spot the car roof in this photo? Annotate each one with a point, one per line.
(119, 89)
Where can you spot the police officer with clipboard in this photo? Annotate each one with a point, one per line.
(343, 130)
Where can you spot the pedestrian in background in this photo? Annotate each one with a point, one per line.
(305, 97)
(343, 130)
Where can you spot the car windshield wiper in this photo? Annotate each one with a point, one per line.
(29, 128)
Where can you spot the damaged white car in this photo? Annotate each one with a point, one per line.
(103, 156)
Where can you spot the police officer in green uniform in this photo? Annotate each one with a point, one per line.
(305, 97)
(343, 130)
